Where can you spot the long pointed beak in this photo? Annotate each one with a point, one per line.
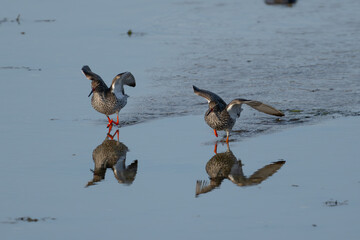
(92, 90)
(211, 109)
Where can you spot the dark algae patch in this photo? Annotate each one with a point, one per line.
(29, 220)
(335, 203)
(20, 68)
(17, 19)
(131, 33)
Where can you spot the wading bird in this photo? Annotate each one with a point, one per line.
(109, 100)
(222, 117)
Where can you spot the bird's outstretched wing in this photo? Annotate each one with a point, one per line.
(125, 78)
(234, 107)
(265, 172)
(203, 187)
(89, 74)
(210, 96)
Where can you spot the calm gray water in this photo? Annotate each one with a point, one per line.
(302, 59)
(314, 195)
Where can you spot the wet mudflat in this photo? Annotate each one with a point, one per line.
(281, 178)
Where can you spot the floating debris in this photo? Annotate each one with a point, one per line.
(17, 19)
(280, 2)
(28, 219)
(332, 203)
(45, 20)
(23, 67)
(131, 33)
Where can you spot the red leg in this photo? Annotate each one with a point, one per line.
(112, 136)
(109, 119)
(117, 118)
(110, 127)
(109, 135)
(111, 122)
(117, 132)
(215, 148)
(215, 133)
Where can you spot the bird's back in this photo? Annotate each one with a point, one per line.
(219, 120)
(107, 103)
(219, 166)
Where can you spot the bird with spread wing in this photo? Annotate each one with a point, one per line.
(222, 117)
(109, 100)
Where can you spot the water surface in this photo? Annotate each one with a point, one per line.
(301, 59)
(313, 194)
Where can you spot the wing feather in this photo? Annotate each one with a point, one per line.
(89, 74)
(234, 107)
(203, 187)
(265, 172)
(125, 78)
(262, 107)
(209, 96)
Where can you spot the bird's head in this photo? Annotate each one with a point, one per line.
(94, 85)
(212, 106)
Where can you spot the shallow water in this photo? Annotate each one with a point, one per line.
(313, 194)
(301, 59)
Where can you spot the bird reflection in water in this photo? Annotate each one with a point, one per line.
(226, 166)
(112, 154)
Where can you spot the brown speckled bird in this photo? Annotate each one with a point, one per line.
(109, 100)
(222, 117)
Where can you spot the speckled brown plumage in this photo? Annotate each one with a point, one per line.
(107, 103)
(226, 166)
(112, 154)
(222, 117)
(109, 100)
(219, 166)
